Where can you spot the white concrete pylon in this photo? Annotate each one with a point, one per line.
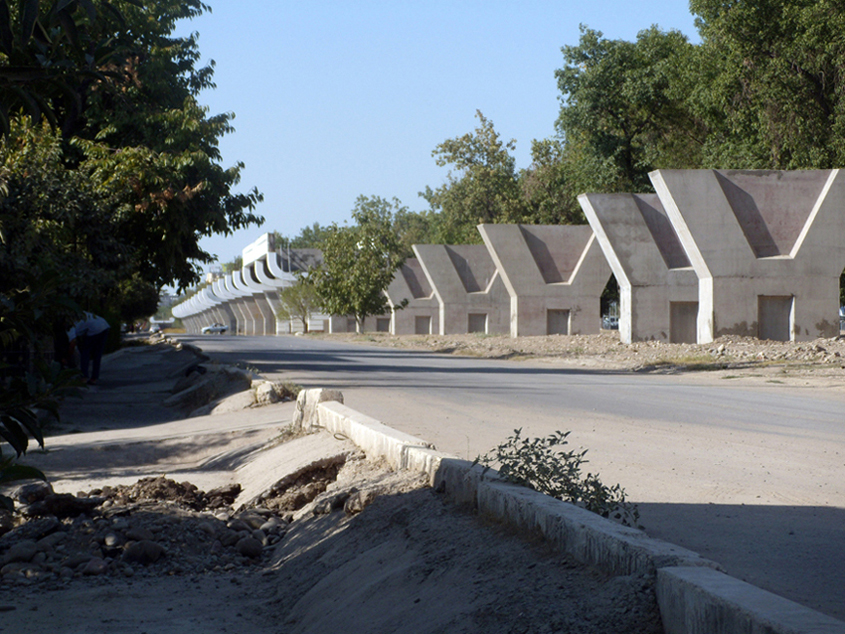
(768, 247)
(266, 324)
(554, 274)
(468, 287)
(421, 313)
(657, 286)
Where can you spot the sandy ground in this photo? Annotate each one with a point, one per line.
(408, 562)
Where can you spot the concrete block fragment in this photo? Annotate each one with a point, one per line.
(305, 414)
(375, 438)
(705, 601)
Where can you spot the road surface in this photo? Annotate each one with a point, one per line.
(749, 475)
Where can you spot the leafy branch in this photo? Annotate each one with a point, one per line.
(542, 464)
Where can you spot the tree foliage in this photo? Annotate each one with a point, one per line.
(776, 82)
(359, 261)
(621, 116)
(311, 237)
(300, 301)
(483, 186)
(52, 221)
(548, 188)
(763, 90)
(123, 93)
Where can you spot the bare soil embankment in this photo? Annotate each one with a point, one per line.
(351, 546)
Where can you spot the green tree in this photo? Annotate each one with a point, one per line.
(235, 265)
(309, 238)
(137, 299)
(124, 91)
(412, 227)
(547, 186)
(53, 222)
(359, 262)
(483, 188)
(51, 53)
(300, 301)
(774, 88)
(623, 110)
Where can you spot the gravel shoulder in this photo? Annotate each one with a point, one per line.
(728, 358)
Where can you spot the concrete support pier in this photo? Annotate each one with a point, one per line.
(421, 315)
(554, 275)
(768, 248)
(658, 287)
(469, 290)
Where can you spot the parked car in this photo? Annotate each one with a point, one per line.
(609, 322)
(215, 329)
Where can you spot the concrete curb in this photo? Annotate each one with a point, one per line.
(703, 600)
(694, 596)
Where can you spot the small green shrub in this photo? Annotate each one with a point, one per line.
(542, 464)
(288, 390)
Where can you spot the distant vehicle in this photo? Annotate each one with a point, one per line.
(154, 329)
(215, 329)
(610, 323)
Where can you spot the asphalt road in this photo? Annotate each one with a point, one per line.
(748, 475)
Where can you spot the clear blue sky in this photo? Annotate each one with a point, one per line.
(334, 99)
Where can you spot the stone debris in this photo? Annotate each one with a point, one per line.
(202, 388)
(607, 351)
(156, 526)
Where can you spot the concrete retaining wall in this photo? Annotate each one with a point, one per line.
(693, 595)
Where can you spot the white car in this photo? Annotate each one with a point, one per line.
(215, 329)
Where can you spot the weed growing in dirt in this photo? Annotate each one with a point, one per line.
(542, 464)
(288, 390)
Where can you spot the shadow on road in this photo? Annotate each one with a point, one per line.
(800, 546)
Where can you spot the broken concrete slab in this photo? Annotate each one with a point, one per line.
(286, 460)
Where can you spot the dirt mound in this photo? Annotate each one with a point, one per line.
(156, 526)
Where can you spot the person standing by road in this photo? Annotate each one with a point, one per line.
(89, 335)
